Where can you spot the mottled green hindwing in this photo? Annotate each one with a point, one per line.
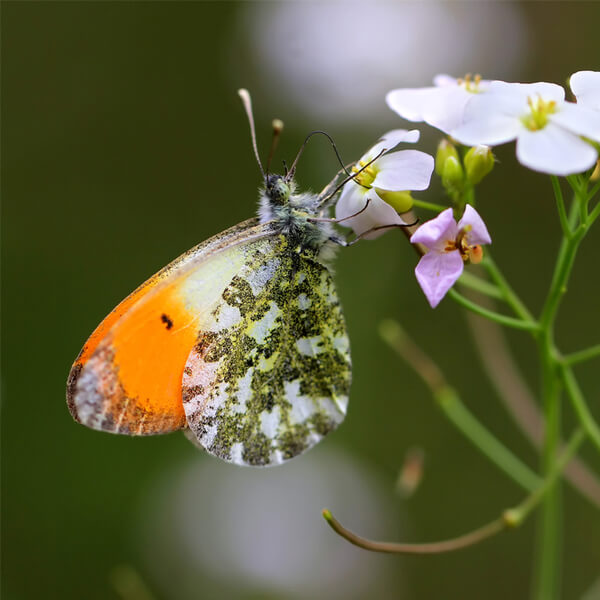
(272, 376)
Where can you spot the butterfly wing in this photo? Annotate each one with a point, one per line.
(127, 379)
(270, 376)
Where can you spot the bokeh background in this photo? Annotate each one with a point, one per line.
(124, 144)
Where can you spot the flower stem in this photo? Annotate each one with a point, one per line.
(546, 581)
(523, 325)
(581, 355)
(512, 517)
(472, 429)
(579, 405)
(438, 208)
(509, 294)
(560, 204)
(452, 406)
(480, 285)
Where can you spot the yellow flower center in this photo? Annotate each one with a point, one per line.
(470, 83)
(366, 176)
(539, 111)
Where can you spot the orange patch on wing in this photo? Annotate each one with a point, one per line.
(100, 331)
(151, 347)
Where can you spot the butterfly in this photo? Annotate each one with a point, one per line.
(241, 341)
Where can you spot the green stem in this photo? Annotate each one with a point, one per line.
(546, 581)
(512, 518)
(438, 208)
(560, 204)
(547, 558)
(579, 405)
(515, 516)
(508, 293)
(474, 431)
(581, 355)
(450, 403)
(480, 285)
(523, 325)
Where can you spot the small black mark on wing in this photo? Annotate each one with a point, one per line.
(165, 319)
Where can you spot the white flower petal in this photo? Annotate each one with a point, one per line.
(478, 233)
(378, 213)
(586, 87)
(351, 200)
(390, 140)
(435, 233)
(555, 151)
(547, 91)
(491, 130)
(445, 110)
(409, 102)
(578, 119)
(404, 170)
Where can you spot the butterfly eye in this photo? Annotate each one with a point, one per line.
(277, 189)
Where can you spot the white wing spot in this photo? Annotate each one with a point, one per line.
(309, 346)
(304, 302)
(269, 422)
(258, 278)
(227, 317)
(342, 344)
(244, 392)
(261, 329)
(236, 453)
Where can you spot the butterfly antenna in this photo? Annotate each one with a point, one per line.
(277, 129)
(293, 167)
(247, 102)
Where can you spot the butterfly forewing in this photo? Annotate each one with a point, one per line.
(270, 375)
(127, 379)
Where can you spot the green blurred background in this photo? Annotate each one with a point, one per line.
(124, 144)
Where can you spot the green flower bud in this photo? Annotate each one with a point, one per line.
(479, 161)
(401, 202)
(453, 175)
(445, 150)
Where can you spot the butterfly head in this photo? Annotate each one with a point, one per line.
(278, 189)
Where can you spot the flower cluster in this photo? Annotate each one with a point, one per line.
(553, 136)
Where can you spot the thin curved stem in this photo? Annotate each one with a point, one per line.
(523, 325)
(509, 294)
(463, 541)
(510, 518)
(454, 409)
(480, 285)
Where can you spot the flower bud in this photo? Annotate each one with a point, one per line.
(401, 202)
(595, 176)
(479, 161)
(445, 150)
(453, 175)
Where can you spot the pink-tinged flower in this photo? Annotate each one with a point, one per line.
(548, 130)
(450, 245)
(440, 106)
(586, 87)
(384, 184)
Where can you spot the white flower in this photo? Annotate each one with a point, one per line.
(380, 181)
(546, 127)
(441, 106)
(586, 87)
